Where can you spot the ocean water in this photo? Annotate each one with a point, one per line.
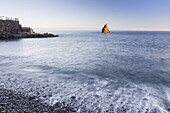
(122, 72)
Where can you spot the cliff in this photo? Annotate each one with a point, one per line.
(11, 29)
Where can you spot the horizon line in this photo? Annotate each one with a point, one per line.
(93, 29)
(51, 29)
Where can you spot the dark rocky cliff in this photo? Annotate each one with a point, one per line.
(10, 29)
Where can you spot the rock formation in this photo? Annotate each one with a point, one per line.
(27, 30)
(11, 29)
(106, 29)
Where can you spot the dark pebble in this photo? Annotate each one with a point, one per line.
(168, 108)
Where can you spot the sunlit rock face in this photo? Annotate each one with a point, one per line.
(106, 29)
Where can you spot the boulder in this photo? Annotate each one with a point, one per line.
(106, 29)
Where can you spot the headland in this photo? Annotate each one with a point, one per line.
(12, 29)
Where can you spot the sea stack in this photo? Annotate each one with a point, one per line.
(106, 29)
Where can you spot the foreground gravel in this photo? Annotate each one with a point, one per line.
(17, 102)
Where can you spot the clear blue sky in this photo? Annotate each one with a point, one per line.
(89, 14)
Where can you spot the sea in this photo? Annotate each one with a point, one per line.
(120, 72)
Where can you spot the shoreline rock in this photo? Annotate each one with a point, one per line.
(37, 35)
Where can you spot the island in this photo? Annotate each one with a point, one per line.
(11, 29)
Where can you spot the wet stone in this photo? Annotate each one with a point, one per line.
(58, 105)
(145, 99)
(168, 108)
(73, 97)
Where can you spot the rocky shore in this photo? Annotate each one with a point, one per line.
(4, 36)
(17, 102)
(10, 29)
(38, 35)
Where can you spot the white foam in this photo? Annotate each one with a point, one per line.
(92, 93)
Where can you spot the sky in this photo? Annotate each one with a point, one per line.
(56, 15)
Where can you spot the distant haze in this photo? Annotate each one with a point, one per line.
(52, 15)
